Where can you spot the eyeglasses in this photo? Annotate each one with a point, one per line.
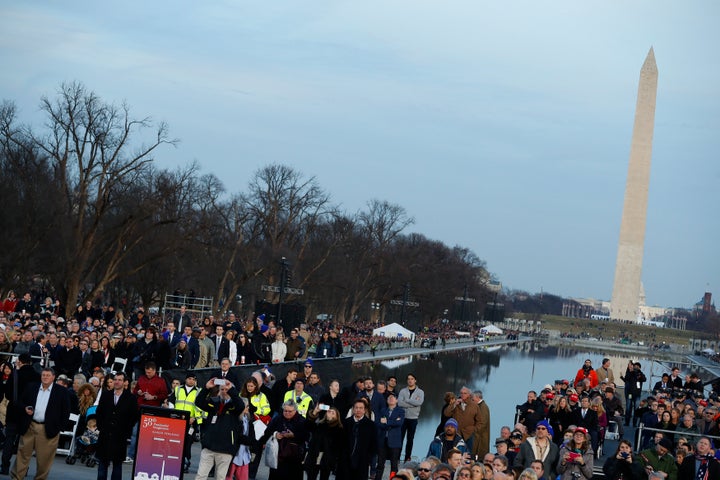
(423, 469)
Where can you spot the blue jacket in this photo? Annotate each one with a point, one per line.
(391, 430)
(436, 447)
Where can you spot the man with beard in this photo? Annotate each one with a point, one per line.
(540, 447)
(587, 372)
(445, 442)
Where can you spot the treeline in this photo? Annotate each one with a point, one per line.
(88, 215)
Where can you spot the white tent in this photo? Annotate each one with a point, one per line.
(491, 330)
(394, 330)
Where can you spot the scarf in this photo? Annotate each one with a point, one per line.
(702, 469)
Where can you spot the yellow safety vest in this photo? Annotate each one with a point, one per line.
(186, 401)
(304, 405)
(261, 404)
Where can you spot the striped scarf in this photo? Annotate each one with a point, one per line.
(702, 469)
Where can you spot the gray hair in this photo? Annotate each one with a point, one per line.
(290, 403)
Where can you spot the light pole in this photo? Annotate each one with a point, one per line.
(375, 310)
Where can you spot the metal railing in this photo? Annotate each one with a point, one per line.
(642, 427)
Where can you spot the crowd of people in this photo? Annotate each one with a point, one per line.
(104, 366)
(680, 427)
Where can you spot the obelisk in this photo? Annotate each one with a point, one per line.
(628, 268)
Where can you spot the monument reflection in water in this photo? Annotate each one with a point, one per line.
(504, 375)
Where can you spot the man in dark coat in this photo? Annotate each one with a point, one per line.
(361, 436)
(45, 407)
(116, 416)
(225, 371)
(634, 379)
(587, 418)
(182, 319)
(220, 433)
(261, 344)
(86, 359)
(25, 375)
(221, 343)
(702, 464)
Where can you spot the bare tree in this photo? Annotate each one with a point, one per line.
(284, 209)
(97, 161)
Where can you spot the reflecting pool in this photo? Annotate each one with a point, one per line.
(504, 375)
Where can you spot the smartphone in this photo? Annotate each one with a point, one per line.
(325, 407)
(220, 381)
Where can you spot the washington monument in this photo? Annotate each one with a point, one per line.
(625, 301)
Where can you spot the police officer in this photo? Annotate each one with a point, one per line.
(298, 395)
(184, 399)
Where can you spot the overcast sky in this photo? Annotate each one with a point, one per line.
(501, 126)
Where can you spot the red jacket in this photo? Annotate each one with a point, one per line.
(592, 375)
(155, 386)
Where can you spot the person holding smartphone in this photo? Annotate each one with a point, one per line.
(621, 465)
(576, 457)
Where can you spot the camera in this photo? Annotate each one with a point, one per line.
(325, 407)
(624, 454)
(220, 381)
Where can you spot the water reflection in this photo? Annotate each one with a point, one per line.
(504, 374)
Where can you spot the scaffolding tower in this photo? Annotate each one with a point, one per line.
(195, 306)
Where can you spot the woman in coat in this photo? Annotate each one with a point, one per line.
(245, 354)
(290, 431)
(325, 348)
(621, 466)
(108, 353)
(561, 417)
(326, 443)
(181, 356)
(576, 457)
(279, 349)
